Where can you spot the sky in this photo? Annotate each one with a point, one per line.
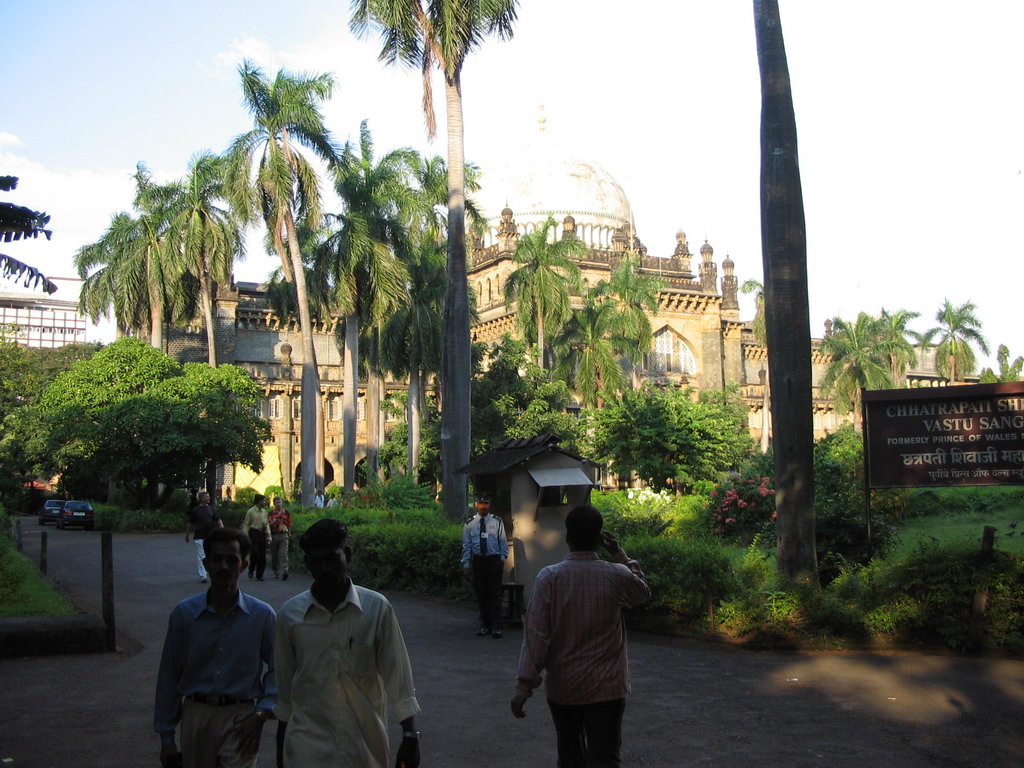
(910, 118)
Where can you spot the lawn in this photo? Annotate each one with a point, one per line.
(943, 528)
(25, 592)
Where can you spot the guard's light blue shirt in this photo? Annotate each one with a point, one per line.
(497, 542)
(206, 653)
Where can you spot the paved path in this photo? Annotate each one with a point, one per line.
(693, 704)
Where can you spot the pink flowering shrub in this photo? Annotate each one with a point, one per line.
(741, 506)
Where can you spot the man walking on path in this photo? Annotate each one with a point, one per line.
(257, 527)
(484, 550)
(280, 538)
(201, 520)
(341, 661)
(217, 668)
(574, 629)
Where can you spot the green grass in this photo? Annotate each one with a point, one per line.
(24, 591)
(947, 528)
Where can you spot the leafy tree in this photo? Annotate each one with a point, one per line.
(588, 347)
(958, 331)
(270, 180)
(207, 233)
(516, 398)
(16, 222)
(637, 294)
(134, 267)
(97, 420)
(669, 438)
(859, 359)
(784, 253)
(1007, 371)
(547, 273)
(423, 35)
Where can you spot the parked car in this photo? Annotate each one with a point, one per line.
(77, 513)
(51, 511)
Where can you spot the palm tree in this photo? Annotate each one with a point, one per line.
(133, 267)
(540, 287)
(362, 258)
(896, 341)
(423, 35)
(637, 294)
(784, 253)
(958, 329)
(270, 180)
(588, 348)
(207, 234)
(859, 360)
(1007, 371)
(411, 338)
(757, 327)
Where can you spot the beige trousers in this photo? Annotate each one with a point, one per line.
(208, 736)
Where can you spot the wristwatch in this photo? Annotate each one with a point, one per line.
(263, 715)
(411, 735)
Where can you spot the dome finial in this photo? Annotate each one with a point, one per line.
(541, 117)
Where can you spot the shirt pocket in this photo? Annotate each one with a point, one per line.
(358, 661)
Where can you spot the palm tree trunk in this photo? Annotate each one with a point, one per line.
(784, 253)
(373, 419)
(766, 420)
(412, 417)
(311, 474)
(350, 397)
(540, 339)
(455, 418)
(206, 301)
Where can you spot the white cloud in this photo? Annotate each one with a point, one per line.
(10, 140)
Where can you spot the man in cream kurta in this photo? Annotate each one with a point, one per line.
(341, 662)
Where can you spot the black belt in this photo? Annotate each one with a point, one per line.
(215, 700)
(486, 556)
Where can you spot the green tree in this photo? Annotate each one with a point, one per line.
(270, 180)
(207, 234)
(958, 331)
(97, 420)
(897, 341)
(517, 398)
(588, 347)
(540, 287)
(859, 359)
(134, 268)
(669, 438)
(423, 35)
(1007, 371)
(784, 255)
(637, 293)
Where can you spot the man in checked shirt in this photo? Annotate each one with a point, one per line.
(574, 630)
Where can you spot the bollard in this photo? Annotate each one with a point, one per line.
(17, 534)
(42, 553)
(107, 566)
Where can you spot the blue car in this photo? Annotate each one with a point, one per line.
(51, 511)
(77, 513)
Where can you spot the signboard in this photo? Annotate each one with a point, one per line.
(945, 436)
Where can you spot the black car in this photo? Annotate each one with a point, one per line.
(77, 513)
(51, 511)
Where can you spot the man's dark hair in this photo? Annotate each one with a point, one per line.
(583, 527)
(326, 533)
(259, 497)
(226, 536)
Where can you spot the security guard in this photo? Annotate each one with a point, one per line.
(484, 550)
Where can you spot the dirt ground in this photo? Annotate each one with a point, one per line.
(693, 704)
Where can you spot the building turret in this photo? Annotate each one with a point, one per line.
(730, 297)
(708, 270)
(508, 234)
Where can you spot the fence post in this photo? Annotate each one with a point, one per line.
(17, 534)
(42, 552)
(107, 566)
(976, 629)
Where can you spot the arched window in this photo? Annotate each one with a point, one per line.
(671, 354)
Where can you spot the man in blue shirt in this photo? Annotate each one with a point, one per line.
(217, 669)
(484, 550)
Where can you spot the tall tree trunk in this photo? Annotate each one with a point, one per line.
(311, 474)
(455, 418)
(540, 339)
(766, 421)
(350, 402)
(784, 253)
(373, 408)
(156, 307)
(412, 418)
(206, 301)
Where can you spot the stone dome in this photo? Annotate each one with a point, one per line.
(541, 181)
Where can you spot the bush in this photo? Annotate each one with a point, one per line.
(685, 578)
(742, 506)
(23, 591)
(246, 496)
(112, 518)
(952, 502)
(642, 512)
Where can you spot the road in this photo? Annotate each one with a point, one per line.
(693, 704)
